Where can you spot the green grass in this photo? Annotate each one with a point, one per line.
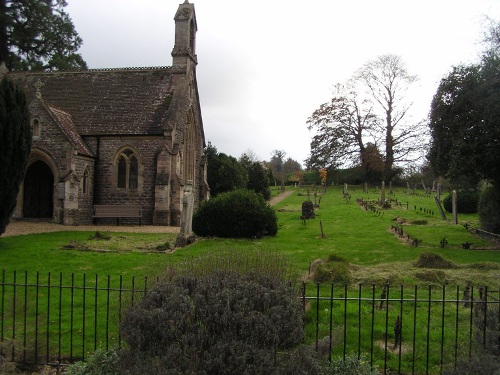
(374, 253)
(342, 228)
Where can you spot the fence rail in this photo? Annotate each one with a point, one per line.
(59, 319)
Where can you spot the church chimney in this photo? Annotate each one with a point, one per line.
(184, 52)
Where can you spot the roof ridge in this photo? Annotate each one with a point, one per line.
(128, 69)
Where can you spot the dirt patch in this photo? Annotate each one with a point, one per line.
(405, 348)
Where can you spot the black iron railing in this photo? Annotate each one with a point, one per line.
(58, 319)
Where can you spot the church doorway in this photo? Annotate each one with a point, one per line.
(38, 191)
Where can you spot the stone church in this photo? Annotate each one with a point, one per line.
(129, 136)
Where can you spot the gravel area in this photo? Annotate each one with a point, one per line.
(17, 228)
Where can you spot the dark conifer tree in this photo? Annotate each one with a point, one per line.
(15, 145)
(38, 35)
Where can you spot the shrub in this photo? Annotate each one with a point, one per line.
(480, 363)
(431, 260)
(352, 365)
(221, 322)
(489, 210)
(485, 358)
(99, 363)
(240, 213)
(467, 201)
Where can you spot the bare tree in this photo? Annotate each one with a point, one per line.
(342, 127)
(277, 165)
(388, 83)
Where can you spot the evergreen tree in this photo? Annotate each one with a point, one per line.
(38, 35)
(15, 145)
(224, 172)
(258, 180)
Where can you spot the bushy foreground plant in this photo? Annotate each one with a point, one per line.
(485, 358)
(231, 320)
(352, 365)
(467, 201)
(100, 363)
(239, 213)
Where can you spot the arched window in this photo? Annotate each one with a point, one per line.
(85, 182)
(133, 172)
(127, 170)
(189, 147)
(35, 125)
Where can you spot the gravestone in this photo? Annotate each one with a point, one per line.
(186, 230)
(397, 332)
(382, 195)
(308, 210)
(454, 207)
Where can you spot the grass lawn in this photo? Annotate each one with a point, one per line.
(341, 227)
(374, 252)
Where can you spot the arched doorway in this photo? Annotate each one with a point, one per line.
(38, 191)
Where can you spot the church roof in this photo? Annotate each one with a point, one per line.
(106, 101)
(65, 122)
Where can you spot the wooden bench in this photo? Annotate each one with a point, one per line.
(117, 211)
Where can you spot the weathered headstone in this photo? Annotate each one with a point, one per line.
(454, 207)
(397, 332)
(382, 195)
(186, 230)
(307, 210)
(438, 191)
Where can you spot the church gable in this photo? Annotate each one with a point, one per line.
(65, 123)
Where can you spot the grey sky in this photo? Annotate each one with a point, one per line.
(265, 66)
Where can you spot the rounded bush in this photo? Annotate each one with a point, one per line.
(489, 210)
(224, 322)
(239, 213)
(467, 201)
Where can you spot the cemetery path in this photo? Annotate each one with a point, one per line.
(16, 228)
(278, 198)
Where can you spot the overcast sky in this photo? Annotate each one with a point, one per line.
(265, 66)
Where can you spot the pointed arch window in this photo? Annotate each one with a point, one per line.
(189, 150)
(86, 182)
(36, 127)
(127, 170)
